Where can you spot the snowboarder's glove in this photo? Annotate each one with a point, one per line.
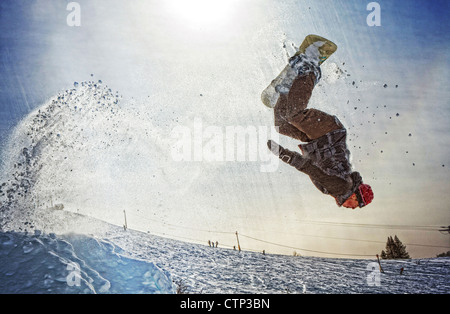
(284, 154)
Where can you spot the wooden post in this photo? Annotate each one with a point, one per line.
(125, 226)
(237, 237)
(381, 268)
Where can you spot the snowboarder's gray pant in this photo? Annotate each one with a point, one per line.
(294, 120)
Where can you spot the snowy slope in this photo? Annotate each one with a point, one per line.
(203, 269)
(112, 260)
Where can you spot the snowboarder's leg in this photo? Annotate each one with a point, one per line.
(285, 128)
(291, 104)
(300, 94)
(315, 123)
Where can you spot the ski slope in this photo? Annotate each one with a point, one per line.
(116, 261)
(203, 269)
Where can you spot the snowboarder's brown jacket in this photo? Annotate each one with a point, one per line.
(326, 161)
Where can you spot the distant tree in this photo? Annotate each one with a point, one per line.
(444, 254)
(401, 249)
(390, 249)
(394, 249)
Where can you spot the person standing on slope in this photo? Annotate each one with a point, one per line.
(325, 157)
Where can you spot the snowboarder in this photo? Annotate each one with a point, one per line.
(325, 157)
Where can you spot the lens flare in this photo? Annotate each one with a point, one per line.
(201, 13)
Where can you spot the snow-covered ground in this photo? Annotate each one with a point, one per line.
(214, 270)
(113, 260)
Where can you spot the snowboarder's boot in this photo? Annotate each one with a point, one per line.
(311, 54)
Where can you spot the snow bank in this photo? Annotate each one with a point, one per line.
(73, 264)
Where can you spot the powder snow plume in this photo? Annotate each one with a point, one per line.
(80, 150)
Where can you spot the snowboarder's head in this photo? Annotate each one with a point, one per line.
(362, 197)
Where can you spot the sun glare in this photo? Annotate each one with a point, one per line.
(201, 13)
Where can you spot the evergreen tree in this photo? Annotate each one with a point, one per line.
(443, 254)
(400, 249)
(394, 249)
(390, 250)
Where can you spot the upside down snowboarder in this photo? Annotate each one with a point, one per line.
(325, 157)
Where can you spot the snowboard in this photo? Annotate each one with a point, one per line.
(313, 46)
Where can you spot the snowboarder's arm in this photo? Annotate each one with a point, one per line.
(284, 154)
(297, 161)
(327, 184)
